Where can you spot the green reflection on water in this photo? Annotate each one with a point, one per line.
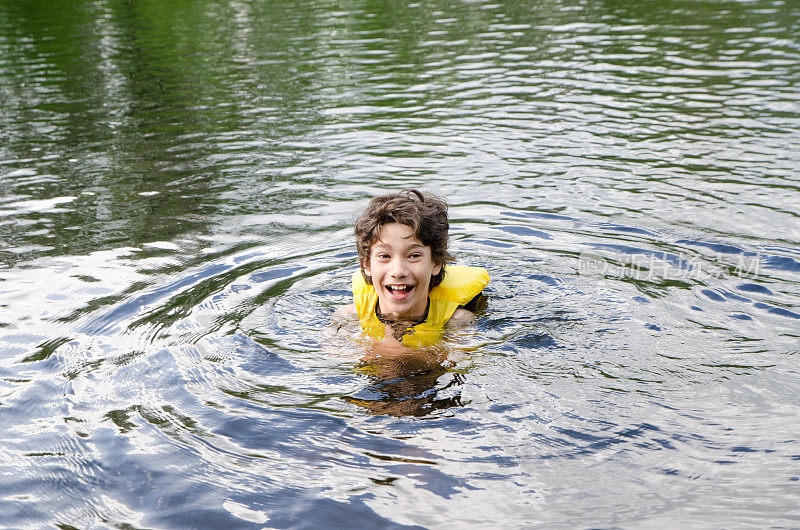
(162, 118)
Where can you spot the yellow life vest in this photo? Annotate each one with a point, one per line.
(460, 285)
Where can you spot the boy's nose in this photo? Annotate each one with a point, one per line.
(398, 269)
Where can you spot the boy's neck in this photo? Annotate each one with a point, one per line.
(401, 326)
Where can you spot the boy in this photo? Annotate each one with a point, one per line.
(404, 290)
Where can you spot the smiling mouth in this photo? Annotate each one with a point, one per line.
(399, 289)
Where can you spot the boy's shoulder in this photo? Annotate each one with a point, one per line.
(462, 283)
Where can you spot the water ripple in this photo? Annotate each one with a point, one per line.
(177, 189)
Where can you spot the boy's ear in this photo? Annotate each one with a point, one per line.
(436, 269)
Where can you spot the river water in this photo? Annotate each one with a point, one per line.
(178, 182)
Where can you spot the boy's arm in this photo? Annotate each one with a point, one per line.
(345, 311)
(461, 315)
(467, 311)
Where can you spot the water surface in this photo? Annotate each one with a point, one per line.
(178, 183)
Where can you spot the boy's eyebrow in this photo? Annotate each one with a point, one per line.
(380, 243)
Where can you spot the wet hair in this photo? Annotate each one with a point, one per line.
(425, 214)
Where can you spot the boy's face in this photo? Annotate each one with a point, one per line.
(401, 268)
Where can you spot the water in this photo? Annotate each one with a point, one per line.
(178, 182)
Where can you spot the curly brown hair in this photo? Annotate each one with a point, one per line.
(425, 214)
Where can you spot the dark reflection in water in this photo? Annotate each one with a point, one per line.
(411, 385)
